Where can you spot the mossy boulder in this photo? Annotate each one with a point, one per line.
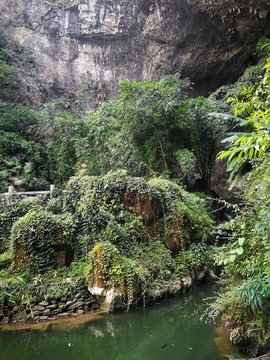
(42, 240)
(120, 206)
(137, 229)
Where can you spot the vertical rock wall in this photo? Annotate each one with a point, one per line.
(93, 44)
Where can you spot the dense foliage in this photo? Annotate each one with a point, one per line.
(35, 236)
(22, 158)
(168, 129)
(131, 233)
(152, 128)
(135, 229)
(124, 230)
(246, 258)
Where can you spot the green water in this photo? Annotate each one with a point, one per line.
(166, 330)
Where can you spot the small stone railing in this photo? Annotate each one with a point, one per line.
(13, 193)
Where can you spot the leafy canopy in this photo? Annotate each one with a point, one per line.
(255, 107)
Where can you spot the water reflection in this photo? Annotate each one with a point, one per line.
(166, 330)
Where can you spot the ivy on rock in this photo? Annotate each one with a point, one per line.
(136, 227)
(42, 240)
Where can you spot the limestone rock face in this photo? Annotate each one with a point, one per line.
(93, 44)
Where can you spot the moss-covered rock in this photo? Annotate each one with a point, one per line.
(42, 240)
(120, 206)
(140, 230)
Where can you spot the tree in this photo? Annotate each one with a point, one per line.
(107, 145)
(9, 82)
(22, 158)
(162, 122)
(148, 111)
(17, 119)
(248, 146)
(246, 257)
(201, 133)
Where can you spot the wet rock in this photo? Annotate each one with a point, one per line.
(46, 312)
(43, 303)
(187, 282)
(63, 315)
(174, 288)
(236, 336)
(18, 316)
(211, 276)
(69, 303)
(88, 300)
(49, 310)
(56, 312)
(37, 313)
(201, 274)
(62, 306)
(52, 307)
(5, 320)
(38, 308)
(95, 306)
(78, 304)
(88, 303)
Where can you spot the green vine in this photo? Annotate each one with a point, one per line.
(34, 237)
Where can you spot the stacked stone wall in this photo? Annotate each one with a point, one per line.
(50, 309)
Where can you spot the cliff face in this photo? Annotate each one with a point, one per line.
(93, 44)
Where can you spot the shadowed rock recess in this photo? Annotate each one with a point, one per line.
(91, 45)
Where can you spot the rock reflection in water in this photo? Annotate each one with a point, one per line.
(139, 334)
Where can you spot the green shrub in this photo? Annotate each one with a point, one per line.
(37, 233)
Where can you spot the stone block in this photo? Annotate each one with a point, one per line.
(51, 307)
(62, 306)
(37, 313)
(46, 311)
(63, 315)
(78, 304)
(43, 303)
(5, 320)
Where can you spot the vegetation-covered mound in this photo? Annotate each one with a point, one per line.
(42, 240)
(138, 230)
(126, 232)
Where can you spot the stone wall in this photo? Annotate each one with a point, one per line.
(50, 309)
